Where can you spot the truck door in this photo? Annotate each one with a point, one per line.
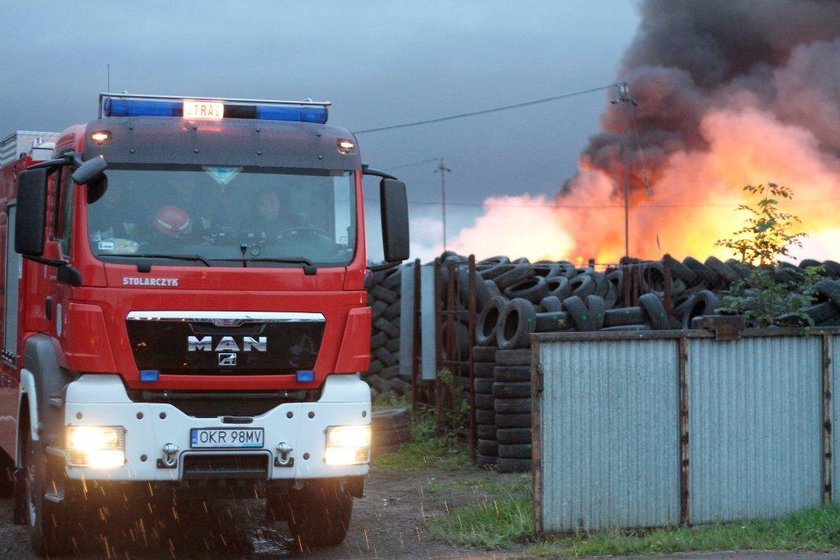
(9, 378)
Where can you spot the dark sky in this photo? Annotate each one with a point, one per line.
(380, 63)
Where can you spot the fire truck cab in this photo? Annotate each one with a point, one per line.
(184, 313)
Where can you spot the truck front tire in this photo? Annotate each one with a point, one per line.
(319, 514)
(49, 521)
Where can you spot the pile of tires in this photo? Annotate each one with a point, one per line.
(484, 363)
(512, 409)
(389, 429)
(383, 297)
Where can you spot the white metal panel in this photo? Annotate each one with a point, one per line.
(406, 320)
(610, 434)
(428, 324)
(755, 427)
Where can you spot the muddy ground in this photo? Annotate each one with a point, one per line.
(389, 522)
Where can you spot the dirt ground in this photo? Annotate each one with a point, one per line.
(389, 522)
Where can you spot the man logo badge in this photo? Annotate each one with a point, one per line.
(227, 358)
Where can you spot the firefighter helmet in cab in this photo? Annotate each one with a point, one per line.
(171, 220)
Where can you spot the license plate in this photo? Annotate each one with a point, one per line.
(227, 437)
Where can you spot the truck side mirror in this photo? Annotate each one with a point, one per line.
(89, 170)
(394, 220)
(31, 217)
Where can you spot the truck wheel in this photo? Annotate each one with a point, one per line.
(7, 476)
(49, 522)
(319, 514)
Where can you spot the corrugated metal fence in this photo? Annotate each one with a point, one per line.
(650, 429)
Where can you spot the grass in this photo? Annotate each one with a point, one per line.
(389, 401)
(426, 449)
(507, 522)
(814, 529)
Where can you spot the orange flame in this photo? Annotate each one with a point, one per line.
(693, 204)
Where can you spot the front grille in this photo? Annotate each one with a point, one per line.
(198, 343)
(215, 404)
(229, 465)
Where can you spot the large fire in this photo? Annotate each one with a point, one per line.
(754, 114)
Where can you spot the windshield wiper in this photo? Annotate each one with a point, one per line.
(195, 258)
(309, 267)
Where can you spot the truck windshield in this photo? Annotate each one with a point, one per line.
(223, 216)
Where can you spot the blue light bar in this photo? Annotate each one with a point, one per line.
(292, 113)
(115, 107)
(136, 107)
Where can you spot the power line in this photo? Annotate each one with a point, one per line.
(596, 206)
(430, 160)
(486, 111)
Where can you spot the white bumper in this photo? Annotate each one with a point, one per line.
(102, 400)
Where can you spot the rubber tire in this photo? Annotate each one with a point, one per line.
(512, 373)
(484, 353)
(485, 402)
(483, 385)
(515, 357)
(550, 304)
(381, 293)
(485, 416)
(488, 447)
(319, 515)
(624, 316)
(579, 313)
(829, 290)
(516, 450)
(7, 476)
(655, 311)
(390, 329)
(390, 419)
(582, 285)
(512, 390)
(510, 436)
(486, 431)
(484, 369)
(516, 323)
(517, 273)
(50, 524)
(533, 289)
(488, 321)
(558, 286)
(507, 421)
(485, 460)
(512, 406)
(597, 307)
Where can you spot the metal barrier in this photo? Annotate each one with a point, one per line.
(650, 429)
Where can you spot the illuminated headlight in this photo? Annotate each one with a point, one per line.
(348, 445)
(96, 447)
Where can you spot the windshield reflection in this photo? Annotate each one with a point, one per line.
(225, 215)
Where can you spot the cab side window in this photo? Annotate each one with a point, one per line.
(63, 218)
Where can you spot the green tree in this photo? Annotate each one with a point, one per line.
(767, 235)
(772, 294)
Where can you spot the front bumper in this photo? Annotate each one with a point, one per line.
(157, 435)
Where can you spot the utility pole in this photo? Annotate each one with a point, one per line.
(624, 97)
(443, 170)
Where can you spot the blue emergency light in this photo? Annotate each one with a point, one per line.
(112, 105)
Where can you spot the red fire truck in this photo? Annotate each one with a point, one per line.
(184, 313)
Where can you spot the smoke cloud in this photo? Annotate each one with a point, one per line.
(724, 93)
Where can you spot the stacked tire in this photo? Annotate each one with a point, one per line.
(384, 300)
(512, 409)
(389, 429)
(484, 362)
